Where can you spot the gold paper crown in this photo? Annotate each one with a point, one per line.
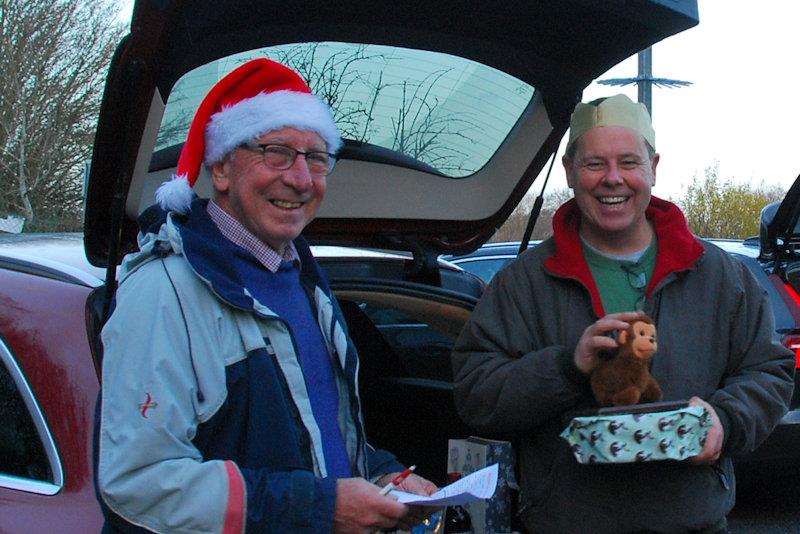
(617, 110)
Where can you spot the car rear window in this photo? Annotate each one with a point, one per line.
(423, 105)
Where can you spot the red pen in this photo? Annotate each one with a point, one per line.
(397, 480)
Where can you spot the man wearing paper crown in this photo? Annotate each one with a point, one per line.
(229, 398)
(524, 358)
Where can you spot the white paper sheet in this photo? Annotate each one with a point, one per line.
(479, 485)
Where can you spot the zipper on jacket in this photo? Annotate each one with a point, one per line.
(723, 478)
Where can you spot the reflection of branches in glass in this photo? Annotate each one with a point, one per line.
(352, 82)
(335, 77)
(176, 127)
(422, 130)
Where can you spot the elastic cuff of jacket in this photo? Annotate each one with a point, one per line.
(566, 362)
(312, 501)
(725, 420)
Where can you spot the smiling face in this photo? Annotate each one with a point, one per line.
(611, 175)
(275, 205)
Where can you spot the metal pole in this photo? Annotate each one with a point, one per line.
(645, 83)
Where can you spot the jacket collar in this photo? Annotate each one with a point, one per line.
(678, 248)
(209, 253)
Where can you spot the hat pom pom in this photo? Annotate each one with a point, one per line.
(175, 195)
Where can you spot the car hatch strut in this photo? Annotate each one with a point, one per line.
(537, 208)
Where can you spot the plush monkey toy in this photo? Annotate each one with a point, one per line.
(625, 378)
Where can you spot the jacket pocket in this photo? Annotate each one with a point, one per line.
(537, 482)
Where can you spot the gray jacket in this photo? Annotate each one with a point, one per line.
(515, 375)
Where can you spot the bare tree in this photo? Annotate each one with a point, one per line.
(53, 60)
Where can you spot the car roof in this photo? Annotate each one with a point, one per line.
(55, 255)
(747, 247)
(377, 197)
(504, 248)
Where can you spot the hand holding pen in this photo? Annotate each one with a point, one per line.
(396, 481)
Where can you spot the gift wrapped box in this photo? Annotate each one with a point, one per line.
(466, 456)
(638, 437)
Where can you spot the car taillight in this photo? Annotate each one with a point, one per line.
(792, 342)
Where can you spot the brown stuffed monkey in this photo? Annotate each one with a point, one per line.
(625, 378)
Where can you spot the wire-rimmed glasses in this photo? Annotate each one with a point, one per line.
(282, 157)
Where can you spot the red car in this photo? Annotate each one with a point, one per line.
(48, 387)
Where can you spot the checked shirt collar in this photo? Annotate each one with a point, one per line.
(237, 234)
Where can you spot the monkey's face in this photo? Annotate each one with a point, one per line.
(643, 339)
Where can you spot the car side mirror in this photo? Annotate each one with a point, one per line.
(765, 241)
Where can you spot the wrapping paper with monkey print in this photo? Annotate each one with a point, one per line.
(639, 437)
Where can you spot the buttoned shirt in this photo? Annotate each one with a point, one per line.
(236, 233)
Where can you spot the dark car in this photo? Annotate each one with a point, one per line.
(775, 262)
(449, 112)
(487, 261)
(774, 257)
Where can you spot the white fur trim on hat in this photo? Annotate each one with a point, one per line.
(265, 112)
(175, 194)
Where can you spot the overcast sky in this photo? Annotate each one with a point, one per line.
(742, 108)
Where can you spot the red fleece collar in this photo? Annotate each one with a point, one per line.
(678, 249)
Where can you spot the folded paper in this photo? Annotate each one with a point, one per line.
(479, 485)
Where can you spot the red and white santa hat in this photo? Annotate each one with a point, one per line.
(257, 97)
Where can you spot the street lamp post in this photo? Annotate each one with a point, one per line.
(645, 87)
(645, 80)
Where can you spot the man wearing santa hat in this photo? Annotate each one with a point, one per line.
(229, 397)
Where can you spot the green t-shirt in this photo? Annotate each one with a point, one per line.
(621, 282)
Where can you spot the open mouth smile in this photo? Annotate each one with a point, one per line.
(286, 205)
(612, 201)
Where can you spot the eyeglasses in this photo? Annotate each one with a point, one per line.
(282, 157)
(637, 281)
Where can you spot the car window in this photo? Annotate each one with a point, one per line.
(421, 104)
(423, 350)
(383, 316)
(21, 451)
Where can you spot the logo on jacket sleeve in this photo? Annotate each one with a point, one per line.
(147, 404)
